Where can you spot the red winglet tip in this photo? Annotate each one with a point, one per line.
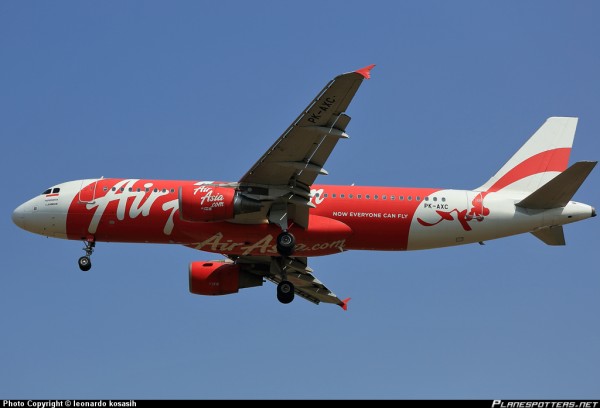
(344, 304)
(366, 71)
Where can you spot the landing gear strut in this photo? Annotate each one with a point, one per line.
(85, 263)
(286, 243)
(285, 292)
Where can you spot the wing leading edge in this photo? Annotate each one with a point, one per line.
(299, 154)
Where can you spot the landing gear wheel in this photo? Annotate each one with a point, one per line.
(85, 264)
(285, 292)
(286, 243)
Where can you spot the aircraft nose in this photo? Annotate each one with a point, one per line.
(18, 216)
(593, 212)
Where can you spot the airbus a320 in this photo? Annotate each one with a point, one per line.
(269, 222)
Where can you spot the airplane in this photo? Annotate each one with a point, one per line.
(275, 217)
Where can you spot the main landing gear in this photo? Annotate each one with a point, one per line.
(285, 247)
(85, 263)
(285, 292)
(286, 243)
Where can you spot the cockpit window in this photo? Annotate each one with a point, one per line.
(54, 190)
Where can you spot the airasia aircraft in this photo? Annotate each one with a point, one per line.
(274, 218)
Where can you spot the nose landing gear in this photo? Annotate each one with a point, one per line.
(85, 263)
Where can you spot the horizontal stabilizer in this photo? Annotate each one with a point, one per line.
(551, 236)
(558, 192)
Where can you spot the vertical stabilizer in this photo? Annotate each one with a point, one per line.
(539, 160)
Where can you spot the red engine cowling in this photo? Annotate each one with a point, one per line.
(219, 278)
(206, 203)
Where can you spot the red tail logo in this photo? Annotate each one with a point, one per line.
(477, 212)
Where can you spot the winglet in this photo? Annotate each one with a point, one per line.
(366, 71)
(344, 304)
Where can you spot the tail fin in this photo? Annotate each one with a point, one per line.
(539, 160)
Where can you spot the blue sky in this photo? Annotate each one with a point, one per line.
(198, 90)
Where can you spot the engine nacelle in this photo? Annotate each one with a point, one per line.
(206, 203)
(214, 278)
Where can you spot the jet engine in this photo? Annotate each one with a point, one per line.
(206, 203)
(220, 278)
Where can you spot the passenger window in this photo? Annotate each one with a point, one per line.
(164, 190)
(156, 190)
(341, 196)
(418, 198)
(426, 199)
(367, 196)
(122, 189)
(443, 199)
(138, 189)
(375, 197)
(350, 196)
(114, 189)
(434, 198)
(172, 190)
(409, 198)
(130, 189)
(384, 197)
(400, 197)
(359, 196)
(392, 197)
(105, 189)
(325, 195)
(333, 195)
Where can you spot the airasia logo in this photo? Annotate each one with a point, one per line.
(266, 245)
(132, 203)
(209, 198)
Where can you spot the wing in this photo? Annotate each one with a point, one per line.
(295, 270)
(282, 177)
(284, 174)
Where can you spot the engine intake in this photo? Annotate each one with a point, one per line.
(220, 278)
(206, 203)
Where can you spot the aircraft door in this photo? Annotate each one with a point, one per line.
(87, 192)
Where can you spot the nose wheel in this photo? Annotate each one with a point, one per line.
(85, 262)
